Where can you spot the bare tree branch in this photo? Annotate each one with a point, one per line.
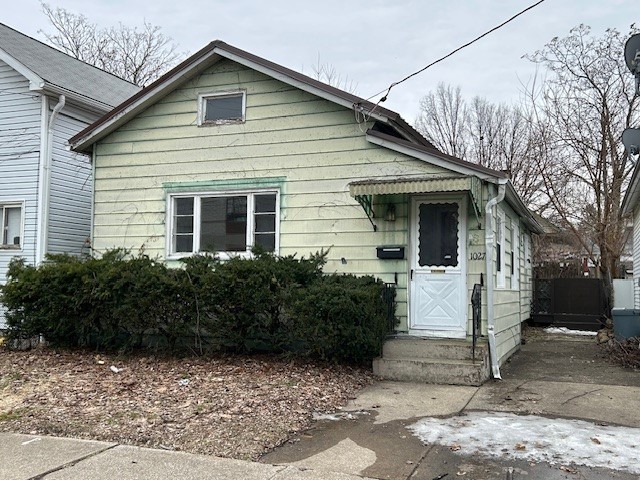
(139, 55)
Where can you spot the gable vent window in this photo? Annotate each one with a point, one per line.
(221, 108)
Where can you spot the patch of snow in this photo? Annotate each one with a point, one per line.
(338, 415)
(535, 439)
(566, 331)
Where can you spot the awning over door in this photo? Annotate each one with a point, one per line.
(364, 190)
(414, 185)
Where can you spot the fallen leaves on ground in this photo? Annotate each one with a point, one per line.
(235, 406)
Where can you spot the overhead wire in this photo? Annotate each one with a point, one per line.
(388, 90)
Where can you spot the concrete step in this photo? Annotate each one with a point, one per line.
(441, 371)
(430, 348)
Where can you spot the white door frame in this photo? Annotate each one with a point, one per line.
(461, 269)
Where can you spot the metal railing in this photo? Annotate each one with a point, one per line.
(389, 297)
(476, 309)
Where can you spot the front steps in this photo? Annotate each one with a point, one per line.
(431, 360)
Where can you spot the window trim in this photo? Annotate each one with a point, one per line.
(12, 204)
(198, 196)
(202, 107)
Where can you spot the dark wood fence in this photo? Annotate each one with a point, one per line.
(576, 303)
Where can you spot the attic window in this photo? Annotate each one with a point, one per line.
(222, 107)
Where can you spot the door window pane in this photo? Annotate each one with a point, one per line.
(438, 235)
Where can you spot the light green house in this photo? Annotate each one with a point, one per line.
(229, 150)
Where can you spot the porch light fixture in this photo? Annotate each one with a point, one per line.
(390, 214)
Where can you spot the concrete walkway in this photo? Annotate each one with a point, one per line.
(553, 376)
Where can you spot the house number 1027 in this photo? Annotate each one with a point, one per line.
(477, 256)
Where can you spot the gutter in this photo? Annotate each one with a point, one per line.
(489, 244)
(45, 179)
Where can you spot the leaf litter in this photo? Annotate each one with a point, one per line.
(230, 406)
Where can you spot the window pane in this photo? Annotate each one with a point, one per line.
(184, 206)
(224, 224)
(265, 203)
(266, 240)
(223, 108)
(184, 224)
(265, 223)
(184, 243)
(438, 231)
(11, 227)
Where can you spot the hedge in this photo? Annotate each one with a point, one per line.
(268, 303)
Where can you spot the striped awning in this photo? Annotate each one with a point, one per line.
(365, 190)
(411, 185)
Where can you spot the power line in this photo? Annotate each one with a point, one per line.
(387, 90)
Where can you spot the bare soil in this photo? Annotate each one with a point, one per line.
(237, 406)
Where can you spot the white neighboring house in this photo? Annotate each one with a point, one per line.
(46, 97)
(631, 205)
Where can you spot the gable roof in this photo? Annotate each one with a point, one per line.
(211, 54)
(56, 72)
(397, 134)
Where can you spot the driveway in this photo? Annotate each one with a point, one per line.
(552, 376)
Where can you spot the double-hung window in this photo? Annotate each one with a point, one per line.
(500, 250)
(11, 221)
(225, 223)
(515, 255)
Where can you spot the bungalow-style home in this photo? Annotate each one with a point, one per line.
(46, 97)
(229, 150)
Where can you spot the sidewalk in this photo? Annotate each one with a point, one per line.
(553, 376)
(28, 457)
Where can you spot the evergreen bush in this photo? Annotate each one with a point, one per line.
(264, 304)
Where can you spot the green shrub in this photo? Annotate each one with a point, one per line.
(264, 304)
(341, 318)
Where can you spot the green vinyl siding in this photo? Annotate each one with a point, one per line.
(315, 145)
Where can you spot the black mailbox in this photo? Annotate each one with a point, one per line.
(390, 252)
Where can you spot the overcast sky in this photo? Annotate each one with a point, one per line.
(372, 42)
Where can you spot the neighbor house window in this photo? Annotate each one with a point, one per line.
(500, 260)
(227, 223)
(222, 107)
(11, 218)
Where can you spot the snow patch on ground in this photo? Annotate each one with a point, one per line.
(338, 415)
(566, 331)
(535, 439)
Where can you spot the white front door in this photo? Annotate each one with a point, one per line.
(438, 273)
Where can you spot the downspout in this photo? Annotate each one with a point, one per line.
(490, 243)
(93, 197)
(47, 158)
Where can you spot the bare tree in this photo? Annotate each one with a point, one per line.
(139, 55)
(495, 136)
(327, 73)
(580, 110)
(443, 118)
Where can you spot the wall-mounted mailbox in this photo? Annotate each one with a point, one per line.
(390, 252)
